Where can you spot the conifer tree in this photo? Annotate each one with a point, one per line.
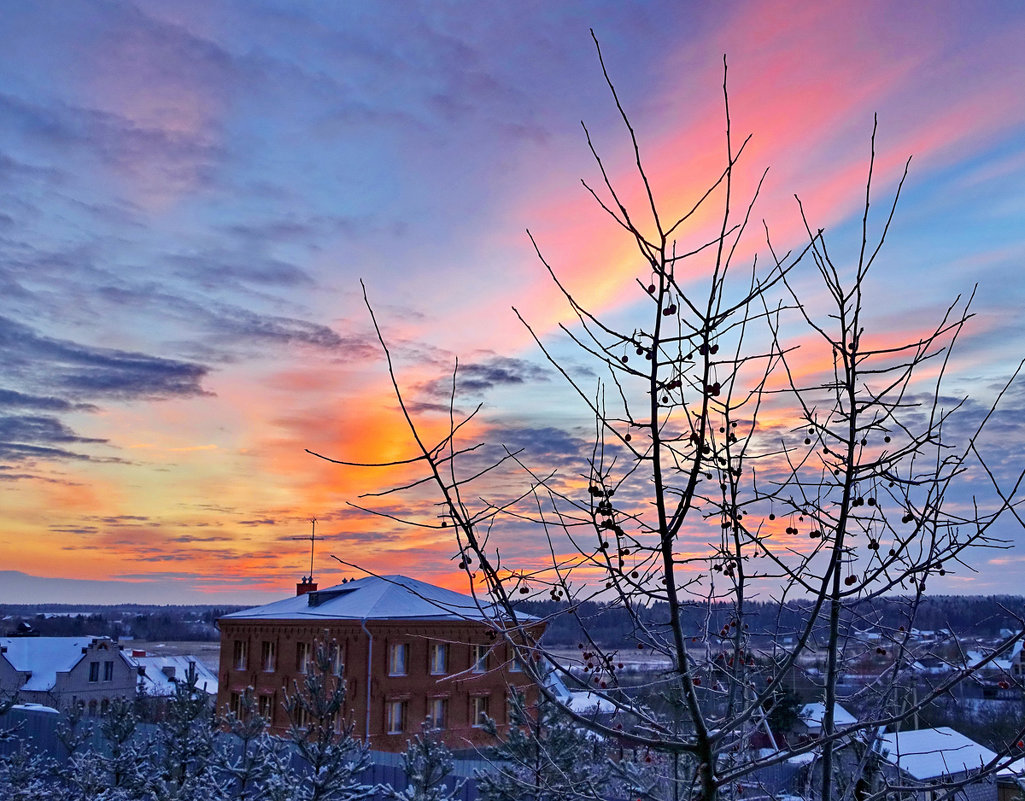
(427, 763)
(333, 758)
(544, 757)
(124, 772)
(184, 764)
(253, 764)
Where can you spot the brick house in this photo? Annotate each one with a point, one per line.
(408, 651)
(61, 671)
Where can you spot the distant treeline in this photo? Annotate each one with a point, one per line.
(166, 623)
(983, 616)
(964, 615)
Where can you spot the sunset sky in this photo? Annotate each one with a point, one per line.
(190, 193)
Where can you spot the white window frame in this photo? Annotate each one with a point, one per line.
(268, 656)
(265, 706)
(303, 657)
(437, 707)
(439, 659)
(240, 654)
(479, 657)
(398, 659)
(479, 709)
(394, 717)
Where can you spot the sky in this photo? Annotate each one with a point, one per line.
(191, 192)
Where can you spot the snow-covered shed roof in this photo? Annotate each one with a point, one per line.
(812, 714)
(43, 657)
(930, 753)
(372, 598)
(162, 673)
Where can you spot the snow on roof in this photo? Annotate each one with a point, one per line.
(975, 657)
(372, 598)
(585, 703)
(49, 710)
(812, 715)
(164, 672)
(1016, 768)
(929, 753)
(43, 657)
(553, 681)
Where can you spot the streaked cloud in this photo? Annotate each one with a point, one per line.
(191, 193)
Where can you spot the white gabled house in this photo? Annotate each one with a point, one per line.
(61, 671)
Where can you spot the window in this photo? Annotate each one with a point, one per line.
(437, 712)
(104, 706)
(265, 706)
(398, 659)
(108, 671)
(395, 717)
(92, 705)
(301, 717)
(241, 654)
(478, 709)
(302, 657)
(479, 656)
(94, 671)
(267, 656)
(337, 659)
(235, 702)
(516, 662)
(439, 658)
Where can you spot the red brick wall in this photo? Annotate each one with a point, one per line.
(458, 685)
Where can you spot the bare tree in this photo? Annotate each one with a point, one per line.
(724, 471)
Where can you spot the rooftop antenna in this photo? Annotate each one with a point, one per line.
(313, 542)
